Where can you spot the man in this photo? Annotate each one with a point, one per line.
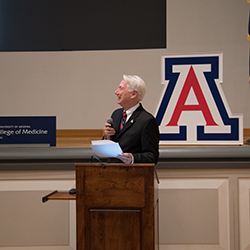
(136, 131)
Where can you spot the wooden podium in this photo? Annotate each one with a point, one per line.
(117, 207)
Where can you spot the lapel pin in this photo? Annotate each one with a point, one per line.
(132, 121)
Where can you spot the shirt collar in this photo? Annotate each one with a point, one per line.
(131, 110)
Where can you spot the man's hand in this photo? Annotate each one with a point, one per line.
(108, 131)
(127, 158)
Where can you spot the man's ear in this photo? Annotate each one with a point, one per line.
(134, 94)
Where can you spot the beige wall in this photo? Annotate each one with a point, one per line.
(198, 209)
(78, 87)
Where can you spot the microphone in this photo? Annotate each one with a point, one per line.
(102, 164)
(110, 121)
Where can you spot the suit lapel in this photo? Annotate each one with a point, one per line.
(118, 123)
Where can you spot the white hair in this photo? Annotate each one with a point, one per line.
(135, 83)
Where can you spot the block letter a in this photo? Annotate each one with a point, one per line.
(191, 82)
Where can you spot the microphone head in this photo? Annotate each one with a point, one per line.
(110, 121)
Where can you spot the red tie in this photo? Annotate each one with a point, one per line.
(124, 117)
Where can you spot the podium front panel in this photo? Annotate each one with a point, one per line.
(115, 229)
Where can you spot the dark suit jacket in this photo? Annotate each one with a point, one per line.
(140, 136)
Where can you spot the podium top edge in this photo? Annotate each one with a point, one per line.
(115, 165)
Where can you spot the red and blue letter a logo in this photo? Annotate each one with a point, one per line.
(193, 108)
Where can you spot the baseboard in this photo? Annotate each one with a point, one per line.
(62, 133)
(77, 137)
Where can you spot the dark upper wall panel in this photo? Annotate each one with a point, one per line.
(55, 25)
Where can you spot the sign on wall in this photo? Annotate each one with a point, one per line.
(193, 108)
(31, 130)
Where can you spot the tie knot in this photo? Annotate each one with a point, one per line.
(124, 114)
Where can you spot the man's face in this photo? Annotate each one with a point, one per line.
(123, 95)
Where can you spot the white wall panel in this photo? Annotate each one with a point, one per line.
(244, 213)
(26, 222)
(194, 212)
